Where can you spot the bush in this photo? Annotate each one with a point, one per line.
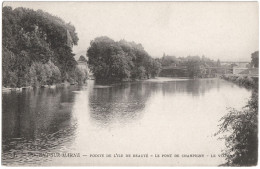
(248, 81)
(245, 81)
(80, 75)
(44, 74)
(242, 127)
(239, 80)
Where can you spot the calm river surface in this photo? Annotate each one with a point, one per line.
(161, 116)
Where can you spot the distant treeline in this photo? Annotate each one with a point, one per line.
(195, 65)
(120, 61)
(37, 48)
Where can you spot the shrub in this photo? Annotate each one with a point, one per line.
(44, 74)
(80, 75)
(242, 127)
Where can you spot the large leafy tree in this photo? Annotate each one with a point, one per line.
(194, 66)
(255, 59)
(120, 60)
(36, 36)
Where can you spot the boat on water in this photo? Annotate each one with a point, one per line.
(4, 89)
(17, 89)
(52, 86)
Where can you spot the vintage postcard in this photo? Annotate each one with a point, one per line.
(129, 83)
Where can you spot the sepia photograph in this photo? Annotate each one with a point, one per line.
(129, 83)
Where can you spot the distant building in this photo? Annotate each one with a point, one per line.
(238, 70)
(78, 54)
(82, 63)
(245, 70)
(241, 68)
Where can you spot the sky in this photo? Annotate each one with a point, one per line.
(219, 30)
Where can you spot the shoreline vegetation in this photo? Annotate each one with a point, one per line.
(244, 81)
(37, 50)
(8, 89)
(239, 128)
(120, 61)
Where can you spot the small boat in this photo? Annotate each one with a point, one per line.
(4, 89)
(27, 87)
(52, 86)
(16, 89)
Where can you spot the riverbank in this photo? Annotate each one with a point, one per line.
(18, 89)
(242, 126)
(245, 81)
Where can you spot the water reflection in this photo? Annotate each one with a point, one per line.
(92, 118)
(192, 87)
(125, 102)
(120, 103)
(35, 120)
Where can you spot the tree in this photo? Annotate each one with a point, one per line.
(36, 36)
(255, 59)
(120, 60)
(121, 66)
(218, 63)
(141, 72)
(55, 76)
(80, 75)
(156, 68)
(194, 66)
(100, 52)
(44, 74)
(242, 142)
(9, 76)
(82, 58)
(168, 60)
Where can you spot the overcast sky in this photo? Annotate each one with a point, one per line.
(224, 30)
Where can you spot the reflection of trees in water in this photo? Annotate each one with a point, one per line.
(125, 102)
(193, 87)
(20, 151)
(121, 103)
(35, 120)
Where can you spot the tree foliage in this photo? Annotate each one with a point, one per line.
(242, 142)
(82, 58)
(255, 59)
(80, 75)
(240, 129)
(43, 74)
(31, 37)
(195, 65)
(120, 60)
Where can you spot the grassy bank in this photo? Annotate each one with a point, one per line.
(240, 127)
(245, 81)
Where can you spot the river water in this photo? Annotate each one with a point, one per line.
(149, 118)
